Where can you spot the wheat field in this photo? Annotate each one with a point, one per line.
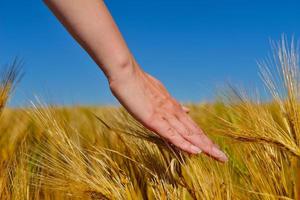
(53, 152)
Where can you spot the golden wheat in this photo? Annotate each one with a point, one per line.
(51, 152)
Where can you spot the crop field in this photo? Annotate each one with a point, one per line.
(53, 152)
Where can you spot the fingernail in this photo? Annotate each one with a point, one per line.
(195, 149)
(219, 154)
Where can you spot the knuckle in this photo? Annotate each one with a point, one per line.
(169, 105)
(184, 144)
(183, 130)
(186, 131)
(190, 133)
(160, 103)
(171, 132)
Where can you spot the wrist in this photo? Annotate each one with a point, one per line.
(125, 71)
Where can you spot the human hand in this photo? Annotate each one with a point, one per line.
(147, 100)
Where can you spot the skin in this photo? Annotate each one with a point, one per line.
(145, 97)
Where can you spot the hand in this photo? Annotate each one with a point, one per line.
(150, 103)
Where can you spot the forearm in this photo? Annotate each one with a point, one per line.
(91, 24)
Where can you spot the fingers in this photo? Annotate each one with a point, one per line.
(176, 124)
(199, 139)
(185, 109)
(163, 128)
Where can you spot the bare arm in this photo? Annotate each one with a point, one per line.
(91, 24)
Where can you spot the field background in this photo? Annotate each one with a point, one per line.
(52, 152)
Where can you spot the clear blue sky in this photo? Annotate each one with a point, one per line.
(192, 46)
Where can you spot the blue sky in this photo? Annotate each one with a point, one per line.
(192, 46)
